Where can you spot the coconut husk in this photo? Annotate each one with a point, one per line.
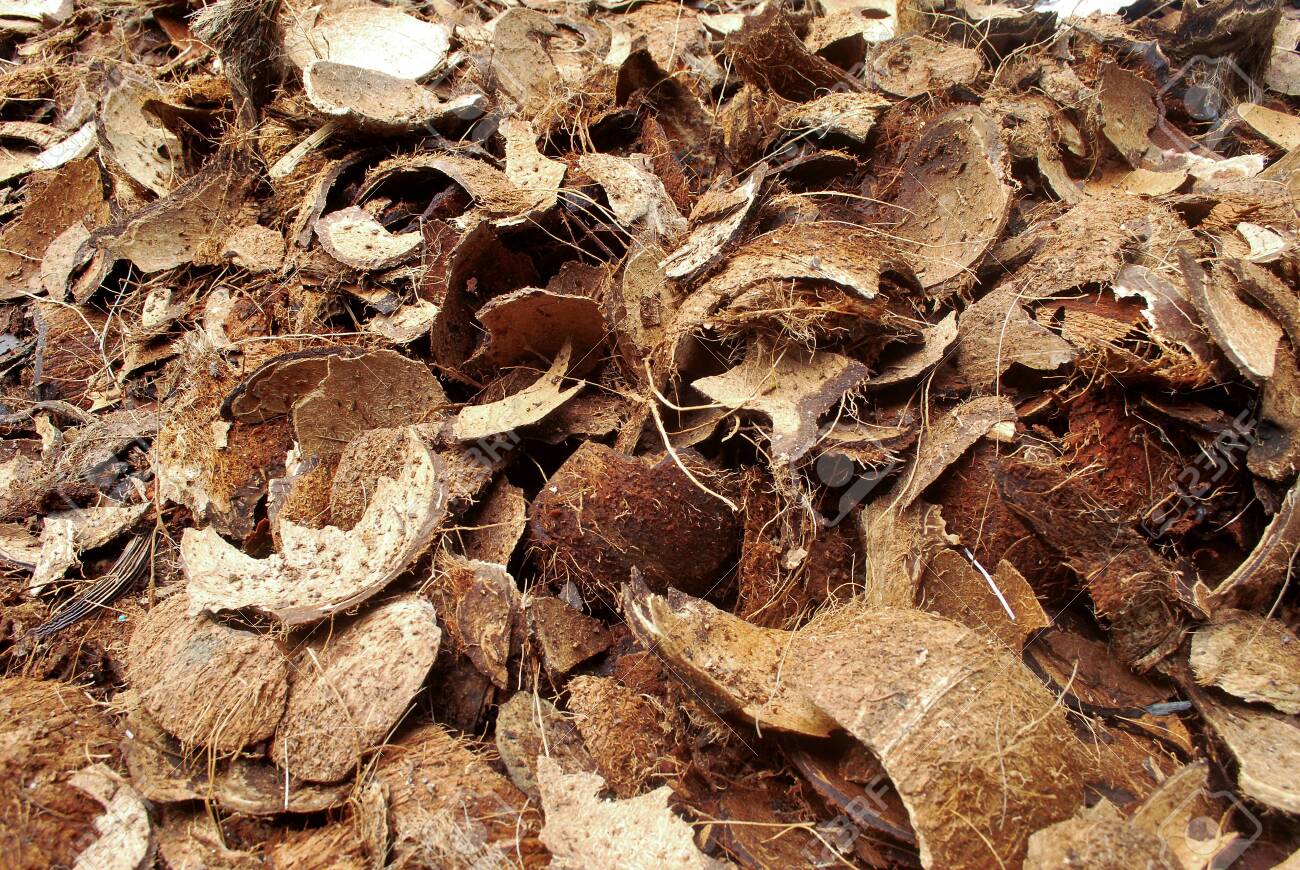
(644, 512)
(530, 728)
(204, 682)
(639, 831)
(1253, 658)
(320, 572)
(345, 697)
(166, 774)
(958, 695)
(793, 389)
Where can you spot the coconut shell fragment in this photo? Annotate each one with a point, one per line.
(378, 102)
(444, 792)
(954, 198)
(367, 35)
(167, 773)
(125, 839)
(937, 705)
(320, 572)
(1265, 744)
(1253, 658)
(734, 663)
(792, 388)
(207, 683)
(603, 514)
(352, 686)
(356, 239)
(582, 829)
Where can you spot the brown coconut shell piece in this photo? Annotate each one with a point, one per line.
(567, 636)
(937, 703)
(125, 840)
(207, 683)
(1265, 744)
(166, 773)
(734, 663)
(51, 731)
(353, 686)
(354, 238)
(524, 408)
(444, 792)
(529, 727)
(792, 387)
(955, 196)
(602, 514)
(367, 35)
(1100, 837)
(1249, 656)
(320, 572)
(377, 102)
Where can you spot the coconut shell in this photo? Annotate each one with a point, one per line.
(353, 686)
(791, 387)
(583, 830)
(207, 683)
(377, 102)
(165, 773)
(1253, 658)
(732, 662)
(443, 791)
(367, 35)
(357, 240)
(320, 572)
(602, 514)
(526, 407)
(939, 705)
(958, 167)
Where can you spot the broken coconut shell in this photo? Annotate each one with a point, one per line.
(734, 663)
(583, 830)
(1253, 658)
(367, 35)
(940, 705)
(205, 682)
(320, 572)
(602, 514)
(352, 686)
(955, 197)
(378, 102)
(792, 387)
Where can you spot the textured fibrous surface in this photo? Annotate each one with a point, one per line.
(951, 717)
(594, 518)
(320, 572)
(352, 686)
(205, 682)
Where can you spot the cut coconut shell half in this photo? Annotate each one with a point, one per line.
(369, 36)
(378, 102)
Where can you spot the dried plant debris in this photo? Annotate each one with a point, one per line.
(352, 685)
(792, 388)
(583, 830)
(1254, 658)
(853, 433)
(883, 674)
(320, 572)
(207, 683)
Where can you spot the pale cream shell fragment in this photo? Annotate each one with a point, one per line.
(369, 36)
(353, 686)
(354, 238)
(379, 102)
(320, 572)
